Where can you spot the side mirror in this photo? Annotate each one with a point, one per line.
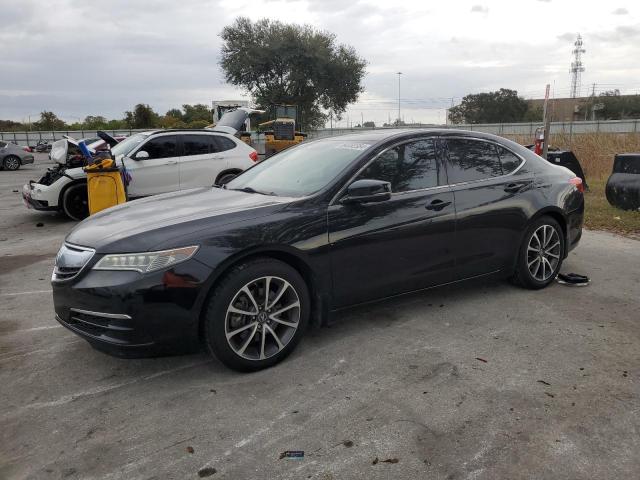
(367, 191)
(141, 155)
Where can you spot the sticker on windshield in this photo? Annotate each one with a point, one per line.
(353, 146)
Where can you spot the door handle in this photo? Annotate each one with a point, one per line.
(437, 205)
(515, 187)
(172, 162)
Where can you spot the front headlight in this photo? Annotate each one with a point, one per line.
(146, 261)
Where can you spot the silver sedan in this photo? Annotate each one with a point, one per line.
(12, 156)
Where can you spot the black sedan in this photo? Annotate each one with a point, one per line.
(325, 225)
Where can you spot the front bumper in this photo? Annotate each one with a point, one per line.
(30, 202)
(128, 314)
(43, 197)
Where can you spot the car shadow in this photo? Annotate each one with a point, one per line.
(200, 366)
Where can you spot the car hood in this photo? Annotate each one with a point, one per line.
(152, 222)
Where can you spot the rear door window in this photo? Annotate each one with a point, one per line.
(471, 160)
(195, 145)
(224, 143)
(161, 147)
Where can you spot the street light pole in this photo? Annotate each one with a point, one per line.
(399, 73)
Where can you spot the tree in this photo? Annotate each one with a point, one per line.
(369, 125)
(174, 113)
(493, 107)
(613, 106)
(292, 64)
(49, 121)
(198, 112)
(533, 114)
(94, 122)
(142, 116)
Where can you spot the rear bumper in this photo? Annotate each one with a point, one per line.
(26, 159)
(127, 314)
(575, 222)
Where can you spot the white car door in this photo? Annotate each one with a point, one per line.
(201, 161)
(154, 167)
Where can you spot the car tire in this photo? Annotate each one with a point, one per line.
(75, 202)
(541, 254)
(248, 330)
(225, 178)
(11, 162)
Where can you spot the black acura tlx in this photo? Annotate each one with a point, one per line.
(321, 226)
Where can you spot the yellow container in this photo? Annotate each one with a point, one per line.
(104, 186)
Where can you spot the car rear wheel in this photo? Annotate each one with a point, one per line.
(256, 315)
(11, 162)
(75, 202)
(541, 254)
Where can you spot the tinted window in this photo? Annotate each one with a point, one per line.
(161, 147)
(2, 144)
(195, 144)
(411, 166)
(471, 160)
(510, 161)
(224, 143)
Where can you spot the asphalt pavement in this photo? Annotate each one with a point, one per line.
(482, 380)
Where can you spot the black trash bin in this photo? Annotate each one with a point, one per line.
(623, 186)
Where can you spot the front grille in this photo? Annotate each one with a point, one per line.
(70, 261)
(65, 273)
(283, 131)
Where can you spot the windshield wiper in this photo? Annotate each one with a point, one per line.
(251, 190)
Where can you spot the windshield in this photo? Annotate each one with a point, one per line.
(301, 170)
(128, 144)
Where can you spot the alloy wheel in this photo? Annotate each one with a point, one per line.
(262, 318)
(543, 253)
(12, 163)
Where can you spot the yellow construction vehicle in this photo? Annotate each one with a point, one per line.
(280, 133)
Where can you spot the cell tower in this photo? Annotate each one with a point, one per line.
(576, 66)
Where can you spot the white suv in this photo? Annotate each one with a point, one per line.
(158, 161)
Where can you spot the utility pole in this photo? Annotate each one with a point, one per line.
(576, 67)
(361, 120)
(546, 116)
(399, 73)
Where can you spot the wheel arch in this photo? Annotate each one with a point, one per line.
(67, 187)
(558, 215)
(319, 303)
(233, 171)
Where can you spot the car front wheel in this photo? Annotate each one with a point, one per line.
(257, 314)
(541, 254)
(75, 202)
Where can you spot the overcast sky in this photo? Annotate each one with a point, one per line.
(81, 57)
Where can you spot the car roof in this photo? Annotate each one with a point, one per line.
(184, 130)
(384, 135)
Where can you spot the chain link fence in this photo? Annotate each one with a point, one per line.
(570, 128)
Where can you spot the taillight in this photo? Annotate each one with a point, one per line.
(254, 156)
(27, 149)
(577, 181)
